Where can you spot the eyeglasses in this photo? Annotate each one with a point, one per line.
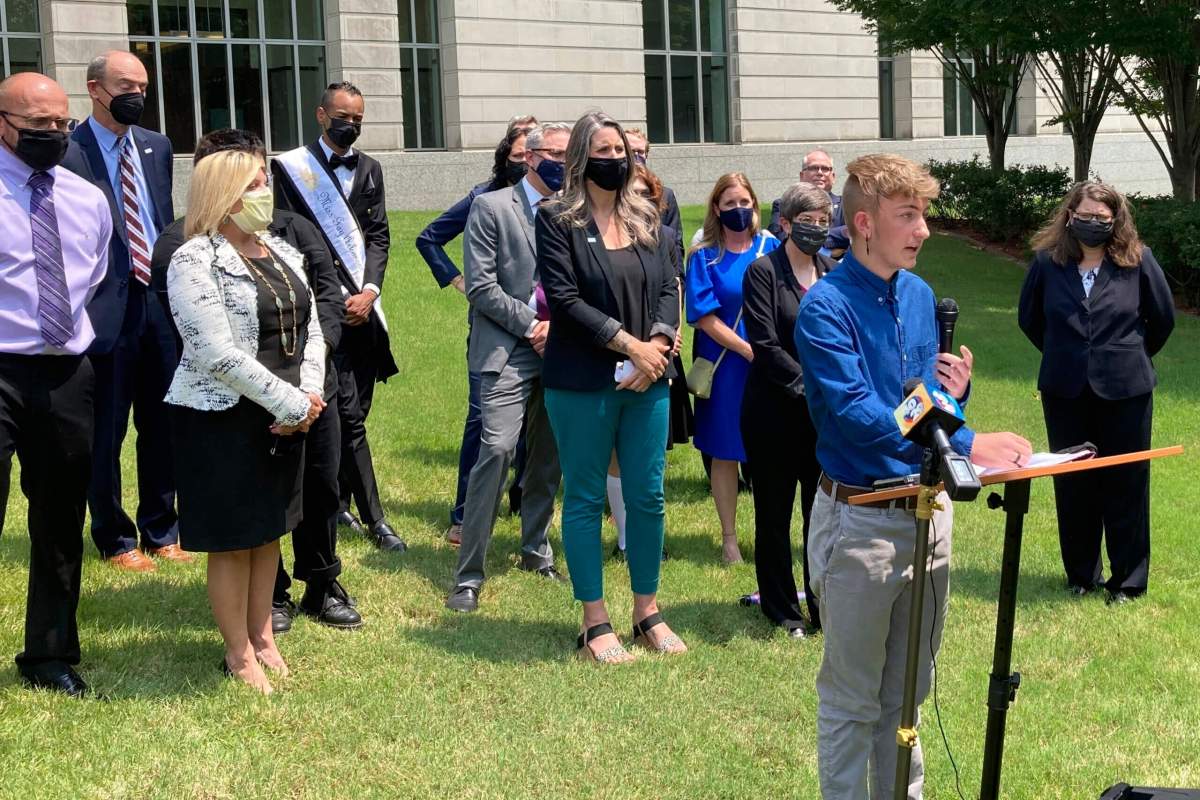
(1104, 218)
(61, 124)
(555, 155)
(818, 168)
(822, 222)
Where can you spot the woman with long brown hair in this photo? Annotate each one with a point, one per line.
(1098, 307)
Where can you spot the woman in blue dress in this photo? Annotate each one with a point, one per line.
(729, 242)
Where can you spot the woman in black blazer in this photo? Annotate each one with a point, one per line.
(777, 430)
(614, 314)
(1098, 307)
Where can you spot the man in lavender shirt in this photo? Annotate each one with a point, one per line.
(54, 236)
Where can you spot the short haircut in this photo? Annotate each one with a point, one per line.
(820, 150)
(340, 86)
(218, 182)
(883, 175)
(523, 121)
(97, 67)
(229, 139)
(803, 196)
(533, 139)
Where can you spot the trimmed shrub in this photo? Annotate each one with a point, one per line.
(1005, 207)
(1172, 229)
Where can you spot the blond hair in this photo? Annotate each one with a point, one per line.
(712, 233)
(218, 182)
(883, 175)
(1124, 247)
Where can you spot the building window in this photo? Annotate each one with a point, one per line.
(421, 75)
(887, 91)
(960, 116)
(212, 63)
(687, 70)
(20, 37)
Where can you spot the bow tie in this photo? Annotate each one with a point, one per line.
(349, 162)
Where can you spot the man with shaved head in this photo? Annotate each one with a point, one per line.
(55, 229)
(134, 354)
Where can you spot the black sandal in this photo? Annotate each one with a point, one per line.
(606, 655)
(641, 631)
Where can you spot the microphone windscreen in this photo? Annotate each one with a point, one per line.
(947, 308)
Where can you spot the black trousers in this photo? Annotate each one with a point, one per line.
(1112, 503)
(356, 372)
(135, 375)
(314, 541)
(780, 447)
(46, 419)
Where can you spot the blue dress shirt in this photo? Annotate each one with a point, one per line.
(859, 339)
(109, 146)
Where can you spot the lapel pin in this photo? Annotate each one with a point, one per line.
(591, 240)
(148, 150)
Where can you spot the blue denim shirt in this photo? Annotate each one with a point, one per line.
(859, 339)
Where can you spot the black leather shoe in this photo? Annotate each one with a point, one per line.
(1118, 599)
(386, 538)
(281, 616)
(464, 599)
(347, 520)
(548, 572)
(55, 676)
(330, 605)
(1078, 591)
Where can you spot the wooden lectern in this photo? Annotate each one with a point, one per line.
(1002, 689)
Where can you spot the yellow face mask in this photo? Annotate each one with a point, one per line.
(258, 209)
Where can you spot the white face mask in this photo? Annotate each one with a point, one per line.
(258, 209)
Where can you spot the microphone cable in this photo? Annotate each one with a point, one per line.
(933, 653)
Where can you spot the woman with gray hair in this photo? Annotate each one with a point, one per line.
(614, 312)
(776, 428)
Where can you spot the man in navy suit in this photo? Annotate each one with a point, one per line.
(134, 353)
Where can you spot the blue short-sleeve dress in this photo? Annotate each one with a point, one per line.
(714, 285)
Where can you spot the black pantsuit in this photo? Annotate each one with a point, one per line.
(356, 366)
(46, 419)
(1096, 380)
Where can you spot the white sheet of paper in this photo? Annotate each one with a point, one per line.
(1037, 460)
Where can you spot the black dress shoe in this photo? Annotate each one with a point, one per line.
(281, 616)
(1078, 591)
(386, 538)
(548, 572)
(463, 598)
(55, 676)
(1118, 599)
(347, 520)
(330, 605)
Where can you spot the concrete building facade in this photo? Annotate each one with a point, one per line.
(719, 84)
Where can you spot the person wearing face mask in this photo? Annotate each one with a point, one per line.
(247, 389)
(340, 190)
(727, 243)
(506, 347)
(776, 427)
(508, 170)
(818, 170)
(135, 352)
(1098, 307)
(610, 283)
(55, 229)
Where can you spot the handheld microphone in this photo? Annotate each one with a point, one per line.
(947, 315)
(929, 417)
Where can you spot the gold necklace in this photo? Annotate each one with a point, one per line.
(283, 337)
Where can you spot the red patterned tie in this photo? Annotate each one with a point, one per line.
(139, 249)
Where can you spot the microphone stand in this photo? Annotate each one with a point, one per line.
(906, 734)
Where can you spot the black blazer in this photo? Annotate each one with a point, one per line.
(771, 302)
(106, 309)
(370, 209)
(1104, 341)
(575, 274)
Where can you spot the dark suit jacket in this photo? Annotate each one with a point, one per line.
(432, 241)
(368, 204)
(107, 307)
(584, 315)
(1104, 341)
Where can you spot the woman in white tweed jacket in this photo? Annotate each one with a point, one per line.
(246, 389)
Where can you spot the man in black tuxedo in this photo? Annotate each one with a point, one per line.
(134, 353)
(340, 190)
(314, 541)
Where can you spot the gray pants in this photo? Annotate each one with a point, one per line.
(508, 398)
(860, 560)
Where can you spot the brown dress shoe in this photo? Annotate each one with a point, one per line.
(133, 561)
(171, 552)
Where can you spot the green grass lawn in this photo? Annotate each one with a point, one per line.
(424, 703)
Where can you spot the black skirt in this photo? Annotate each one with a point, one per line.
(234, 493)
(682, 420)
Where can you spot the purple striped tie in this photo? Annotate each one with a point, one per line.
(54, 303)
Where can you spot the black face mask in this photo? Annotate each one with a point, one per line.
(1090, 232)
(807, 237)
(126, 108)
(40, 150)
(343, 133)
(607, 173)
(514, 171)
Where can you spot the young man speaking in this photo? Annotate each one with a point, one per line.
(864, 330)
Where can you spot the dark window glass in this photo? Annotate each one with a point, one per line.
(210, 19)
(408, 89)
(312, 82)
(682, 14)
(887, 100)
(426, 14)
(429, 73)
(22, 16)
(140, 14)
(310, 20)
(247, 88)
(712, 25)
(173, 18)
(685, 99)
(656, 98)
(653, 29)
(179, 102)
(966, 111)
(278, 17)
(949, 102)
(281, 85)
(214, 87)
(24, 55)
(716, 98)
(145, 53)
(405, 14)
(243, 19)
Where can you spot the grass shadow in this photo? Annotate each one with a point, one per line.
(1032, 587)
(498, 640)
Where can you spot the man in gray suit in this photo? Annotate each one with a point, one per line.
(507, 340)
